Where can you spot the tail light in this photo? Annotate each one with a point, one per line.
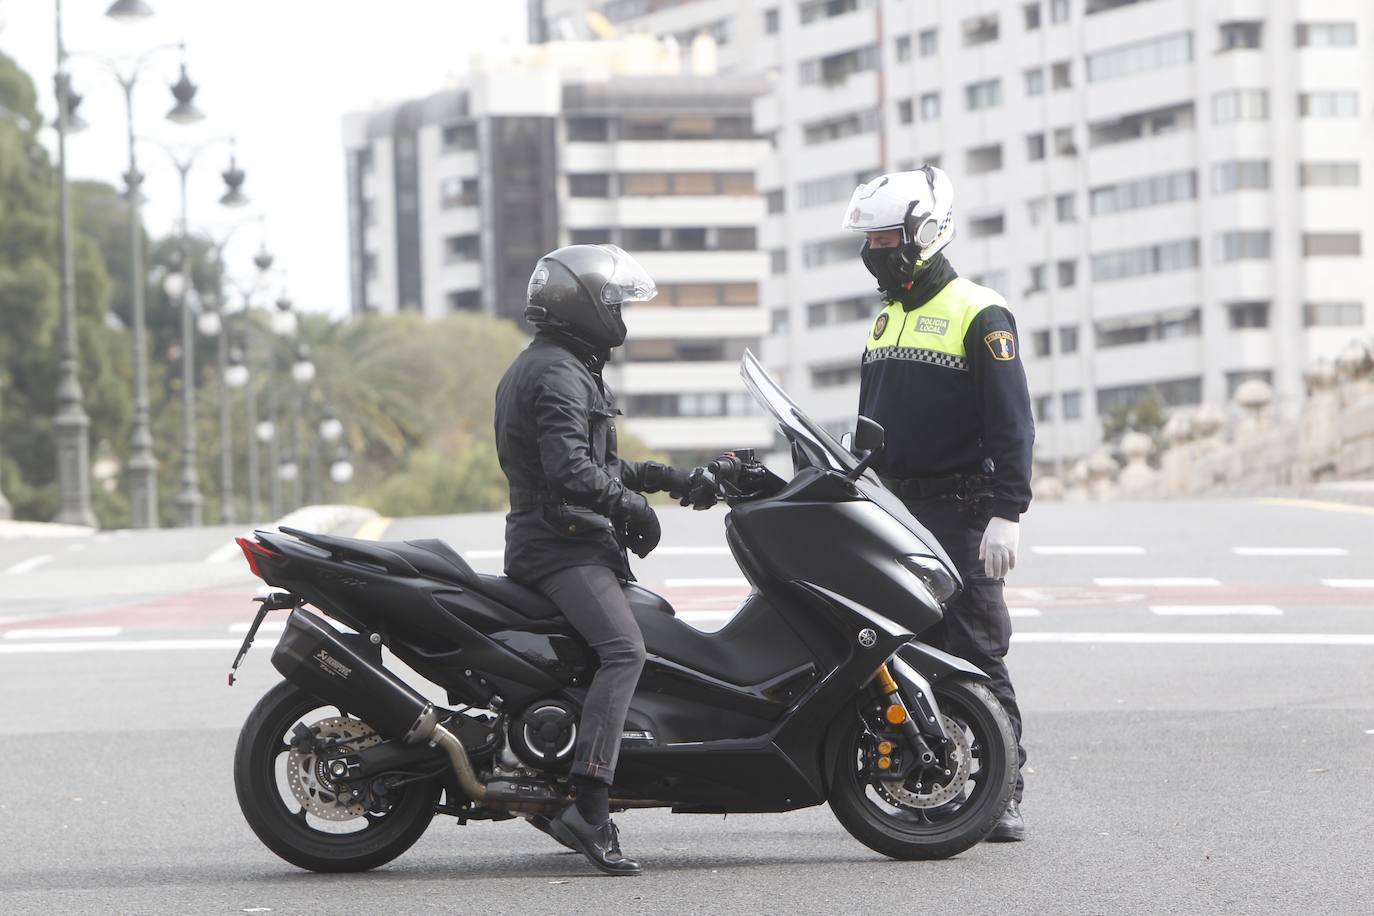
(251, 551)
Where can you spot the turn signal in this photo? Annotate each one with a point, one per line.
(895, 714)
(884, 747)
(884, 763)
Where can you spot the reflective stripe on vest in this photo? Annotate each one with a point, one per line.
(933, 333)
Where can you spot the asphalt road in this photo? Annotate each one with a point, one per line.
(1197, 680)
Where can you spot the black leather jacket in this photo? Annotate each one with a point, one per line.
(555, 436)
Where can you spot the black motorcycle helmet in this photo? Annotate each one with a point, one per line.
(578, 290)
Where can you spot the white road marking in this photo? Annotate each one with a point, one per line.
(1161, 582)
(225, 553)
(726, 582)
(1348, 583)
(76, 548)
(1216, 610)
(63, 632)
(1200, 639)
(1290, 551)
(268, 626)
(670, 551)
(119, 645)
(1101, 550)
(1024, 611)
(31, 563)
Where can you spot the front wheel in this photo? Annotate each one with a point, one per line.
(931, 814)
(299, 811)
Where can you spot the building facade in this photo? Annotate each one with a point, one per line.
(1171, 195)
(454, 197)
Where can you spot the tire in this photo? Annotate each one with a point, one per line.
(287, 832)
(902, 832)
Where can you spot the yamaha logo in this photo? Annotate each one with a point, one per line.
(867, 638)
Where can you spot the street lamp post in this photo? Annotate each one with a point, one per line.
(302, 373)
(71, 423)
(283, 326)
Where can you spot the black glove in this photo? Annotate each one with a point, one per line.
(640, 528)
(701, 491)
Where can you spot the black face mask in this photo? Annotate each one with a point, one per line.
(893, 268)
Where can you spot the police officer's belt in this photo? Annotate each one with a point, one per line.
(521, 500)
(960, 486)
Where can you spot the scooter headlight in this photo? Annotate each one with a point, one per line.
(933, 576)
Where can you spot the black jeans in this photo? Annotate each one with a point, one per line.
(592, 600)
(977, 625)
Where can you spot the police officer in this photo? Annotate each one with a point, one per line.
(576, 506)
(942, 373)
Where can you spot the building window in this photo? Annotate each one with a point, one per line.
(1333, 314)
(1035, 147)
(983, 226)
(815, 10)
(598, 236)
(983, 159)
(1040, 343)
(1035, 278)
(992, 279)
(1143, 192)
(1245, 315)
(830, 251)
(1141, 125)
(461, 248)
(1149, 259)
(1238, 377)
(980, 30)
(1035, 210)
(1330, 244)
(775, 201)
(1072, 402)
(588, 130)
(839, 311)
(1240, 105)
(1237, 36)
(1061, 75)
(1153, 326)
(1066, 207)
(1035, 81)
(1240, 175)
(928, 42)
(642, 238)
(459, 137)
(1174, 392)
(832, 129)
(777, 261)
(1044, 408)
(689, 238)
(930, 106)
(1063, 142)
(1140, 57)
(771, 22)
(1242, 245)
(906, 111)
(779, 320)
(1059, 11)
(1326, 34)
(834, 69)
(1329, 174)
(985, 94)
(467, 300)
(1329, 104)
(737, 238)
(903, 48)
(458, 192)
(835, 376)
(1068, 273)
(834, 188)
(598, 185)
(1032, 13)
(1068, 339)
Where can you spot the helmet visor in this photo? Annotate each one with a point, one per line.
(628, 282)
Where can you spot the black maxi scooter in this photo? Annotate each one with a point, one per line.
(814, 692)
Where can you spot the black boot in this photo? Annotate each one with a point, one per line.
(1009, 827)
(542, 823)
(599, 843)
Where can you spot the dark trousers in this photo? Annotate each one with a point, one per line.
(591, 599)
(977, 624)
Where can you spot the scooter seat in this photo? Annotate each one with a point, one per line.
(535, 605)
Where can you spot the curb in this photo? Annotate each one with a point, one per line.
(10, 529)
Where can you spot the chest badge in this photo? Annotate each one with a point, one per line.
(1002, 345)
(880, 326)
(927, 324)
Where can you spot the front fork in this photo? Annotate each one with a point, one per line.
(895, 713)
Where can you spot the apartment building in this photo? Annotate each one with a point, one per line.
(455, 196)
(1172, 195)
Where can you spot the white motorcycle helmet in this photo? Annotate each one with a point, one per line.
(921, 205)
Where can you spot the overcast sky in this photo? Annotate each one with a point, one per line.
(277, 74)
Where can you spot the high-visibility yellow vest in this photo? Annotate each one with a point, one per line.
(933, 333)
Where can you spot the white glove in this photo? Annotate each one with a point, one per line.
(998, 550)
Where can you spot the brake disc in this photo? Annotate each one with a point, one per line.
(308, 776)
(933, 792)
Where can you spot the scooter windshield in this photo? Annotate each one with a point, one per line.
(819, 447)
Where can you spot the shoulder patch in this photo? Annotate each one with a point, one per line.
(880, 326)
(927, 324)
(1002, 345)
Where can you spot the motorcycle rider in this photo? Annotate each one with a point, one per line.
(576, 506)
(942, 374)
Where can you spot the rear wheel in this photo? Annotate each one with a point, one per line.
(299, 812)
(930, 814)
